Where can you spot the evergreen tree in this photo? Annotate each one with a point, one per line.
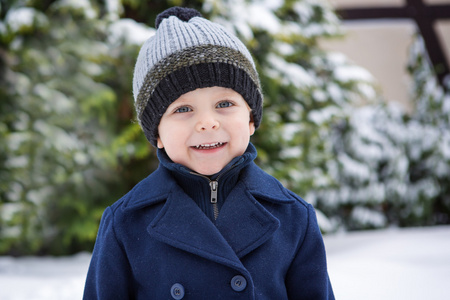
(432, 103)
(55, 110)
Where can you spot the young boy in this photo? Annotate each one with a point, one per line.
(208, 223)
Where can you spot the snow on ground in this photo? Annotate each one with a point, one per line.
(385, 264)
(392, 264)
(48, 278)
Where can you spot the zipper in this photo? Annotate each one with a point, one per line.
(214, 187)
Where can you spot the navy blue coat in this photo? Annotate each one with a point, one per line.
(156, 243)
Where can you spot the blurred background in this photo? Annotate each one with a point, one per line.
(356, 121)
(356, 115)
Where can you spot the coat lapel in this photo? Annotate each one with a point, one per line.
(242, 226)
(244, 222)
(183, 225)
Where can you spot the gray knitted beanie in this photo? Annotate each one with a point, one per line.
(189, 52)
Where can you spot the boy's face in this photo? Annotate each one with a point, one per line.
(206, 128)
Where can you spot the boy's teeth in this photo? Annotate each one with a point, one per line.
(209, 146)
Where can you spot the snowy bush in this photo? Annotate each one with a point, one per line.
(391, 167)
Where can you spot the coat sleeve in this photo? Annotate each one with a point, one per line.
(109, 271)
(307, 277)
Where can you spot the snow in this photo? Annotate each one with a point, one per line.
(321, 116)
(364, 215)
(114, 8)
(390, 264)
(289, 73)
(130, 31)
(352, 73)
(46, 278)
(79, 5)
(263, 18)
(411, 264)
(356, 170)
(22, 17)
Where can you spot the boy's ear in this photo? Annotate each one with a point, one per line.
(252, 124)
(159, 143)
(252, 127)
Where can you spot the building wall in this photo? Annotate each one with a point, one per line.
(381, 46)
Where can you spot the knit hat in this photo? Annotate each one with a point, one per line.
(189, 52)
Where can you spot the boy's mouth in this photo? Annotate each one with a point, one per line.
(209, 146)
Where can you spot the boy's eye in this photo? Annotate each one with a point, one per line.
(224, 104)
(183, 109)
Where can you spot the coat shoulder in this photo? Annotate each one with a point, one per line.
(266, 187)
(151, 190)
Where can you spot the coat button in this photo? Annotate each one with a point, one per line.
(238, 283)
(177, 291)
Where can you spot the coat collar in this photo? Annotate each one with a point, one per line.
(158, 185)
(263, 186)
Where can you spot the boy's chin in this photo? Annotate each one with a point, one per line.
(208, 170)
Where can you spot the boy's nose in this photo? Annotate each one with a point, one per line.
(207, 124)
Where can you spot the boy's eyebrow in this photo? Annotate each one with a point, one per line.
(179, 101)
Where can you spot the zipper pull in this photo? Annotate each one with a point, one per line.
(214, 185)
